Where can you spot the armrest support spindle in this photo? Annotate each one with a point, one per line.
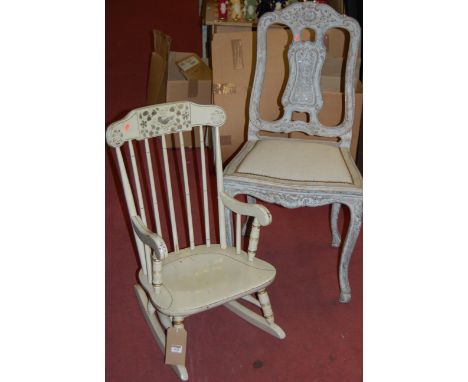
(159, 249)
(253, 239)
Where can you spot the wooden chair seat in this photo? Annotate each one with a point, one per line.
(204, 277)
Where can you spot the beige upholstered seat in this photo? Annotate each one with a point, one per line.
(301, 160)
(294, 164)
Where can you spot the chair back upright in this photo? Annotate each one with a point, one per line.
(305, 58)
(145, 126)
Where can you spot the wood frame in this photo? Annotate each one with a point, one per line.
(163, 305)
(302, 94)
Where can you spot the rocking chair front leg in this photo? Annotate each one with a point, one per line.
(156, 329)
(266, 306)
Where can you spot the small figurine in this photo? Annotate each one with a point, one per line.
(264, 6)
(236, 11)
(222, 9)
(250, 7)
(279, 4)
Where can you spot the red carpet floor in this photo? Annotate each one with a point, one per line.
(324, 338)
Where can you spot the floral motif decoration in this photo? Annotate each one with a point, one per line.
(218, 117)
(114, 136)
(164, 119)
(300, 15)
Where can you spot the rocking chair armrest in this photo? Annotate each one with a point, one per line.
(150, 238)
(257, 211)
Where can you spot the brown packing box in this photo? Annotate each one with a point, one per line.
(233, 55)
(166, 83)
(193, 68)
(157, 79)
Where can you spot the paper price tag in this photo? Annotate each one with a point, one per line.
(176, 344)
(177, 349)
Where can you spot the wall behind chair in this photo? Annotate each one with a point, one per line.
(128, 27)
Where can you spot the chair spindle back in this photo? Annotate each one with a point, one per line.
(157, 122)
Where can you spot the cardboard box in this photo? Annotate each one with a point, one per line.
(157, 80)
(166, 83)
(233, 60)
(193, 68)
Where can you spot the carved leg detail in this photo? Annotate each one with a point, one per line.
(348, 247)
(178, 322)
(156, 328)
(335, 211)
(250, 200)
(266, 306)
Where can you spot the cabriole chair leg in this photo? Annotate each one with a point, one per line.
(335, 211)
(348, 247)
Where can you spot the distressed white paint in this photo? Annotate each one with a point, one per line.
(302, 93)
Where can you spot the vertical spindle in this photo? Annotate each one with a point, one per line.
(220, 186)
(205, 189)
(253, 239)
(157, 274)
(169, 195)
(141, 207)
(238, 234)
(153, 188)
(131, 207)
(187, 190)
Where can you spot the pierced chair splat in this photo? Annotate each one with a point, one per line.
(303, 172)
(192, 278)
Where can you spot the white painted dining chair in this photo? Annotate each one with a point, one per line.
(302, 172)
(172, 286)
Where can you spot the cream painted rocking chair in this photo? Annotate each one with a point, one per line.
(295, 172)
(187, 281)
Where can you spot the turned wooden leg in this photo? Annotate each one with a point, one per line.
(348, 247)
(335, 211)
(178, 322)
(266, 306)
